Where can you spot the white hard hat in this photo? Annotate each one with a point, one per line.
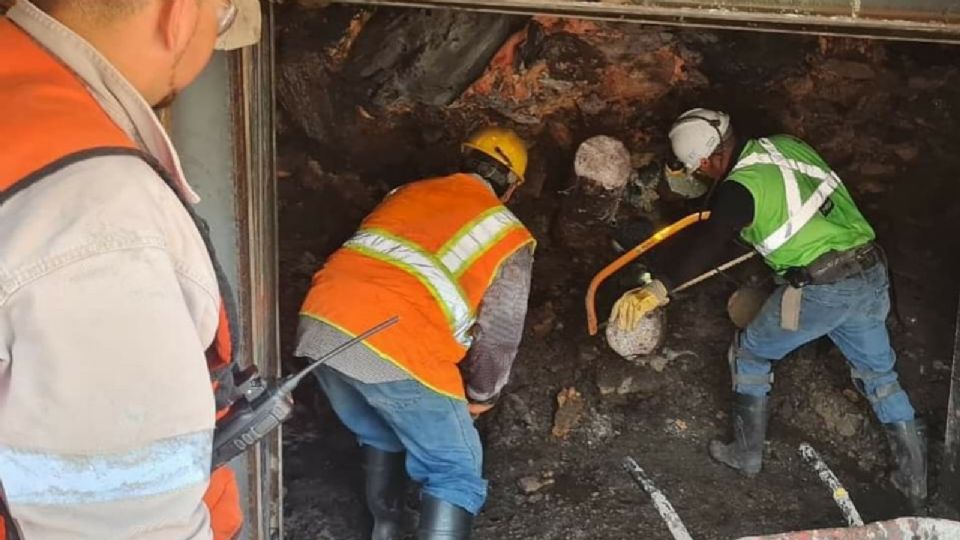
(696, 134)
(246, 28)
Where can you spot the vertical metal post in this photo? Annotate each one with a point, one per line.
(253, 71)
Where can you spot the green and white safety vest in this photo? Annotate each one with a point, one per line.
(801, 208)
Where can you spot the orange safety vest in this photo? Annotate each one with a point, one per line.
(427, 253)
(51, 100)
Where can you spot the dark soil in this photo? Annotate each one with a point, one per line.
(887, 116)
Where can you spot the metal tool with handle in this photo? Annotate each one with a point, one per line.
(625, 259)
(263, 407)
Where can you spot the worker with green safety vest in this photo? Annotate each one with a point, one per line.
(783, 199)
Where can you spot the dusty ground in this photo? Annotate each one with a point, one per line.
(887, 116)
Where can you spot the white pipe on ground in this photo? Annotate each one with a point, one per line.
(669, 515)
(839, 493)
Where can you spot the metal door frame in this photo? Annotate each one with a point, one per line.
(252, 95)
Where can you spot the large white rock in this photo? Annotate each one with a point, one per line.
(640, 341)
(604, 161)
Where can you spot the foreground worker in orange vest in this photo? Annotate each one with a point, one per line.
(448, 258)
(111, 325)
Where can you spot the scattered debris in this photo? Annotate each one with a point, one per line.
(598, 428)
(837, 416)
(667, 355)
(570, 405)
(546, 320)
(626, 380)
(658, 362)
(676, 426)
(532, 484)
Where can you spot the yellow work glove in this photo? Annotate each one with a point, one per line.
(635, 303)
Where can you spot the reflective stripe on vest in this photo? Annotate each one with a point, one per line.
(475, 238)
(427, 269)
(799, 213)
(41, 478)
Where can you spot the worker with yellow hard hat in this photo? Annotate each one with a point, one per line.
(489, 150)
(454, 264)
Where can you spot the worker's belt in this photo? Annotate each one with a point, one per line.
(834, 266)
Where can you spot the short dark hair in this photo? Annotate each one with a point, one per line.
(727, 141)
(103, 10)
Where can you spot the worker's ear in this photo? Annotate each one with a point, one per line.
(178, 23)
(705, 164)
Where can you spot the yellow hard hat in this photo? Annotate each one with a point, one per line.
(503, 145)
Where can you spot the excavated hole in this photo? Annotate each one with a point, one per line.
(370, 99)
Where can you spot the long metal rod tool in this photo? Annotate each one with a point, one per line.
(709, 274)
(669, 515)
(840, 494)
(289, 384)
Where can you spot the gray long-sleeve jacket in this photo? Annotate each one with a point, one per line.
(486, 368)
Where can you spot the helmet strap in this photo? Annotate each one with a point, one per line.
(508, 194)
(500, 178)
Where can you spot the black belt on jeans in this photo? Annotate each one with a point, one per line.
(834, 266)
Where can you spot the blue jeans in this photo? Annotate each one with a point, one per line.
(853, 313)
(442, 445)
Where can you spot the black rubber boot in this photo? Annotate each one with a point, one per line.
(907, 446)
(745, 453)
(385, 482)
(440, 520)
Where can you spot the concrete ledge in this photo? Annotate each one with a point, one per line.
(906, 528)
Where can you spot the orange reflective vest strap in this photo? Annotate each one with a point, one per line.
(49, 121)
(35, 87)
(222, 500)
(454, 201)
(430, 271)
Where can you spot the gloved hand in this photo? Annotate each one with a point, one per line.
(635, 303)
